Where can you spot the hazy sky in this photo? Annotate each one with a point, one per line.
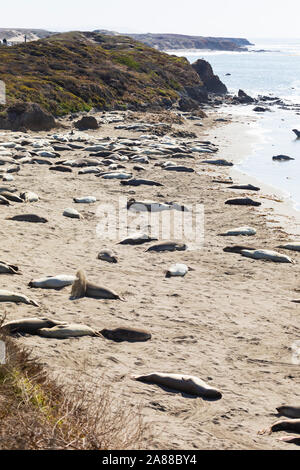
(251, 18)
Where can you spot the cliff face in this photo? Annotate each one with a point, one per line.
(179, 41)
(77, 71)
(211, 82)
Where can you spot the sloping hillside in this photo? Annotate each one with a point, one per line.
(17, 35)
(77, 71)
(165, 42)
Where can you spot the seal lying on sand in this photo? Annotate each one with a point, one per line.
(245, 201)
(152, 206)
(137, 239)
(289, 411)
(67, 331)
(29, 218)
(29, 196)
(267, 255)
(108, 255)
(297, 133)
(72, 213)
(6, 268)
(294, 246)
(139, 182)
(28, 325)
(182, 383)
(8, 296)
(82, 288)
(245, 231)
(168, 246)
(53, 282)
(4, 201)
(177, 270)
(126, 334)
(292, 425)
(246, 187)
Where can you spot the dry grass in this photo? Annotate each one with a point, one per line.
(38, 414)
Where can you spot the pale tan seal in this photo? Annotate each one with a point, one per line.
(28, 325)
(6, 268)
(182, 383)
(82, 288)
(66, 331)
(292, 425)
(8, 296)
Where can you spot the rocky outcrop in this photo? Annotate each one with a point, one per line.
(211, 82)
(27, 116)
(244, 98)
(165, 42)
(87, 122)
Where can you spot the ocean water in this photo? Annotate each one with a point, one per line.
(275, 72)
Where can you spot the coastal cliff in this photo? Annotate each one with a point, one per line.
(165, 42)
(77, 71)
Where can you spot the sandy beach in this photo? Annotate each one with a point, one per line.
(230, 321)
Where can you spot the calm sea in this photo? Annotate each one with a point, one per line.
(274, 72)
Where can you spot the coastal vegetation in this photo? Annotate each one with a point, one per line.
(77, 71)
(38, 414)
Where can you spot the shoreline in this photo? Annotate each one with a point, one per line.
(274, 199)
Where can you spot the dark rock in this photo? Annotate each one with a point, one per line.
(29, 116)
(260, 109)
(282, 158)
(87, 122)
(211, 82)
(244, 98)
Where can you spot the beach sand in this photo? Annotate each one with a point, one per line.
(230, 321)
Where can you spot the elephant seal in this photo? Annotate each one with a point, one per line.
(236, 249)
(282, 158)
(139, 182)
(6, 268)
(246, 187)
(177, 270)
(168, 246)
(292, 425)
(179, 168)
(66, 331)
(297, 133)
(85, 200)
(53, 282)
(152, 206)
(82, 288)
(182, 383)
(29, 196)
(11, 197)
(72, 213)
(108, 255)
(220, 162)
(294, 246)
(28, 325)
(131, 335)
(4, 201)
(245, 231)
(245, 201)
(137, 239)
(29, 218)
(64, 169)
(267, 255)
(8, 296)
(289, 411)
